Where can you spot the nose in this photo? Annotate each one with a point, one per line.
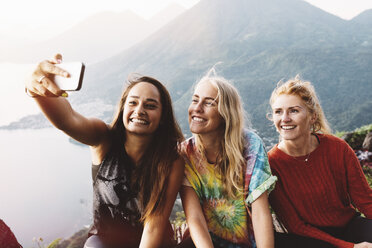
(140, 110)
(286, 117)
(198, 107)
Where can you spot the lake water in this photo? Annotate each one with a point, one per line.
(45, 185)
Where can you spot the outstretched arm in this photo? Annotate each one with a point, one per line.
(262, 222)
(195, 218)
(58, 110)
(154, 232)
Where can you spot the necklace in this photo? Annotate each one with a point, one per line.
(303, 160)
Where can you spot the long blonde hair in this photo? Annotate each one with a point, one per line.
(305, 90)
(230, 161)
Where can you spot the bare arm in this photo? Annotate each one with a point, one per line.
(58, 110)
(195, 218)
(262, 222)
(154, 232)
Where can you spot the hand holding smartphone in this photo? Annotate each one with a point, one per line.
(75, 81)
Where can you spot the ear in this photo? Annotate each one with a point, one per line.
(313, 118)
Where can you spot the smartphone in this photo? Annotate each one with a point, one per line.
(75, 81)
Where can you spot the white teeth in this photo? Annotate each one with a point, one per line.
(288, 127)
(139, 121)
(197, 119)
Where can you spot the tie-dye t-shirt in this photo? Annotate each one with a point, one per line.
(227, 219)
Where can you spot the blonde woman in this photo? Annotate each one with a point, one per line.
(320, 181)
(227, 175)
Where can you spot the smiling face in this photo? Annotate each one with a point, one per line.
(291, 117)
(204, 117)
(142, 109)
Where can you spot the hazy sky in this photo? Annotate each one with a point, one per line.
(40, 14)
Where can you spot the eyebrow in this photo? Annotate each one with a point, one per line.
(207, 98)
(147, 99)
(296, 106)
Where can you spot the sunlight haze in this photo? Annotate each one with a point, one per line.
(36, 19)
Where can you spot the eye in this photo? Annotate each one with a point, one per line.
(194, 100)
(150, 106)
(277, 112)
(294, 111)
(132, 103)
(209, 103)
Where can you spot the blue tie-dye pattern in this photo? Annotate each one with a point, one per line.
(258, 161)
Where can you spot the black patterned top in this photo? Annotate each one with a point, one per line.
(115, 203)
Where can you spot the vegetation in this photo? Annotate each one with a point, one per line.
(355, 138)
(39, 242)
(368, 173)
(179, 225)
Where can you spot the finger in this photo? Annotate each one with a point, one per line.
(32, 92)
(49, 68)
(57, 59)
(44, 91)
(52, 87)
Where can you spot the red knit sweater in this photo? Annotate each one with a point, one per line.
(320, 192)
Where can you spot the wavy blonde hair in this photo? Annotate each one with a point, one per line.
(305, 90)
(230, 161)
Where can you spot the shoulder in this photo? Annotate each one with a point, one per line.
(251, 135)
(178, 164)
(277, 158)
(333, 142)
(252, 140)
(330, 138)
(99, 151)
(187, 145)
(273, 151)
(177, 171)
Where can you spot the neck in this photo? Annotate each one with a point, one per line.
(299, 147)
(212, 146)
(136, 145)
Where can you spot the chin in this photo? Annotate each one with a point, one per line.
(195, 130)
(138, 131)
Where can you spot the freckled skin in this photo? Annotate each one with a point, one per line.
(291, 117)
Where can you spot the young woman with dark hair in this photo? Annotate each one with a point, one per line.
(137, 171)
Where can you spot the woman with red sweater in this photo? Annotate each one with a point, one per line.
(320, 182)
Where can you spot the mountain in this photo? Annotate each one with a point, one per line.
(364, 18)
(259, 42)
(166, 15)
(98, 37)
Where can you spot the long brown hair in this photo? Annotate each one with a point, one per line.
(151, 174)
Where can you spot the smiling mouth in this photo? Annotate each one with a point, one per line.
(139, 121)
(197, 119)
(287, 127)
